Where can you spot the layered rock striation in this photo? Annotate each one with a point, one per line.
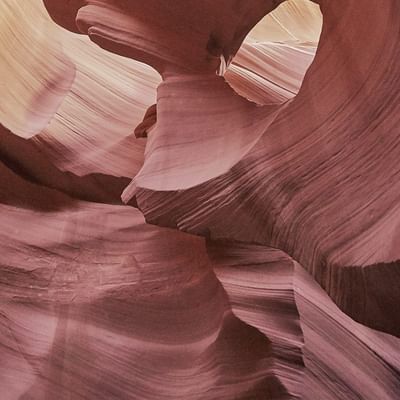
(199, 200)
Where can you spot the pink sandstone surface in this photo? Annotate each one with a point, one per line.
(199, 200)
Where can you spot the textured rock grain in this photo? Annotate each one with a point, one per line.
(199, 199)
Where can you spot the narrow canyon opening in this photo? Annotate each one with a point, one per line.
(271, 63)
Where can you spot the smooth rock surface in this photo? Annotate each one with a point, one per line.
(199, 200)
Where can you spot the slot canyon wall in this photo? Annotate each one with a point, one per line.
(199, 200)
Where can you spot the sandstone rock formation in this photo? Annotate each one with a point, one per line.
(199, 200)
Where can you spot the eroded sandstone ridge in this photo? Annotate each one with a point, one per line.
(199, 200)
